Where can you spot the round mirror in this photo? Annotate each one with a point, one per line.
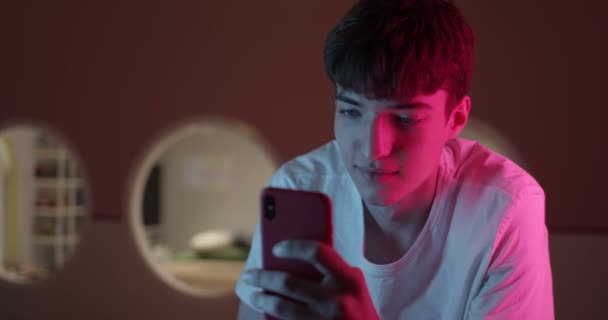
(43, 203)
(196, 201)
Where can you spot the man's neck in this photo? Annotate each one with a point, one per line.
(411, 212)
(390, 233)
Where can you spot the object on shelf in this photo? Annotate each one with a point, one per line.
(59, 203)
(217, 244)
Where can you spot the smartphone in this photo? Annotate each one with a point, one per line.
(293, 214)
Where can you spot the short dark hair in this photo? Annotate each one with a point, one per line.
(399, 48)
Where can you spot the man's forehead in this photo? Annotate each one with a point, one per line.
(430, 99)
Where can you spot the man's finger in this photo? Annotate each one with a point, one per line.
(290, 285)
(282, 308)
(322, 256)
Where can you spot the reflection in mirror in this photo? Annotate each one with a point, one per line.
(42, 203)
(483, 133)
(200, 202)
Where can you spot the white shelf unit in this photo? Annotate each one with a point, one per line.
(59, 206)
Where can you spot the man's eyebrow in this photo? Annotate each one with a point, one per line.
(348, 100)
(412, 105)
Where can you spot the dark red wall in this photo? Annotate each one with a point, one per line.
(114, 75)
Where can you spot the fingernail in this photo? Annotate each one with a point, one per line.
(279, 249)
(248, 277)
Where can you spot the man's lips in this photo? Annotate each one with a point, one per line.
(377, 171)
(382, 172)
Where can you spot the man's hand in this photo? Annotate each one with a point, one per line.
(342, 294)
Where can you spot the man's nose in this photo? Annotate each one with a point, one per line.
(381, 138)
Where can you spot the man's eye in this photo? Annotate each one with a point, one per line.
(350, 113)
(406, 121)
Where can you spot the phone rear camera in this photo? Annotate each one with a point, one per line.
(269, 207)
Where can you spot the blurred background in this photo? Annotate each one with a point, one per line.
(135, 138)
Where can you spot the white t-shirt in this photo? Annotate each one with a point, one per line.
(483, 253)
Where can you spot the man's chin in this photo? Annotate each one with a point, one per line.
(379, 199)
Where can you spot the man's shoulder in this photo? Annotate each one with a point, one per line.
(473, 164)
(324, 160)
(322, 163)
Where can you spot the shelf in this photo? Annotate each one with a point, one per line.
(51, 183)
(208, 274)
(69, 211)
(52, 154)
(59, 202)
(54, 240)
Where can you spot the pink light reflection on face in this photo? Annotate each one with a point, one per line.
(390, 148)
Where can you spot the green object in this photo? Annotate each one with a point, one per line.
(230, 253)
(233, 253)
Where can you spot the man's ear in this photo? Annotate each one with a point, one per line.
(459, 117)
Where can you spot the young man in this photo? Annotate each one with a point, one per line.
(426, 225)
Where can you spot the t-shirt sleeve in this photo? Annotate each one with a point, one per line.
(254, 259)
(518, 280)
